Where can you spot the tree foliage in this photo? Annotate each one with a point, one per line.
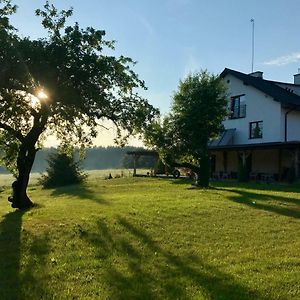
(143, 162)
(198, 109)
(62, 84)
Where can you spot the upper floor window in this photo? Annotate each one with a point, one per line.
(256, 130)
(237, 107)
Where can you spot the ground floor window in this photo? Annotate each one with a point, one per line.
(256, 130)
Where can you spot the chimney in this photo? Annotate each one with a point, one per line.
(257, 74)
(297, 77)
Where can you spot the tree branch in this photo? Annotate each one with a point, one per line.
(33, 112)
(101, 125)
(14, 132)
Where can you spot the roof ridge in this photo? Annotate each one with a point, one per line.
(281, 82)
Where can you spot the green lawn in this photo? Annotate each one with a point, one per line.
(145, 238)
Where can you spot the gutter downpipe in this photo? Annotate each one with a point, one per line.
(285, 123)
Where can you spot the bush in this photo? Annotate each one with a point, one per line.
(63, 170)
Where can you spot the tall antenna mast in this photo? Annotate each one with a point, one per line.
(252, 21)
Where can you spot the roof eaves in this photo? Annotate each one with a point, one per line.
(268, 87)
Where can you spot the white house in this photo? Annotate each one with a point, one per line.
(262, 131)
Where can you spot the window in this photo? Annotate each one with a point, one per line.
(256, 130)
(237, 107)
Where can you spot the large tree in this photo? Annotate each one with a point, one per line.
(61, 84)
(198, 109)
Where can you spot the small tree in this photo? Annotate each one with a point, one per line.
(62, 84)
(62, 170)
(199, 107)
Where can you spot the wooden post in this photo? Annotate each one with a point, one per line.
(244, 158)
(244, 155)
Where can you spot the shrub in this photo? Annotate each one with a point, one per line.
(62, 170)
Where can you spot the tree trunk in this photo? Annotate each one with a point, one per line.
(26, 156)
(204, 172)
(19, 198)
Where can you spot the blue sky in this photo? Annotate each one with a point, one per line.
(170, 38)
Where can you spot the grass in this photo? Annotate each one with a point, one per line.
(145, 238)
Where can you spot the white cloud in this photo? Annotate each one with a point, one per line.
(284, 60)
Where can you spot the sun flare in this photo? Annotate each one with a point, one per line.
(42, 95)
(39, 96)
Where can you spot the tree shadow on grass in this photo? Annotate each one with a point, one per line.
(276, 187)
(25, 282)
(10, 247)
(165, 276)
(35, 269)
(281, 205)
(260, 186)
(80, 191)
(216, 284)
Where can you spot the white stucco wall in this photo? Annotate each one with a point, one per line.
(293, 125)
(259, 107)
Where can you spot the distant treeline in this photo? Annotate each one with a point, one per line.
(97, 158)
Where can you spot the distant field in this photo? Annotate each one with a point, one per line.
(151, 238)
(7, 179)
